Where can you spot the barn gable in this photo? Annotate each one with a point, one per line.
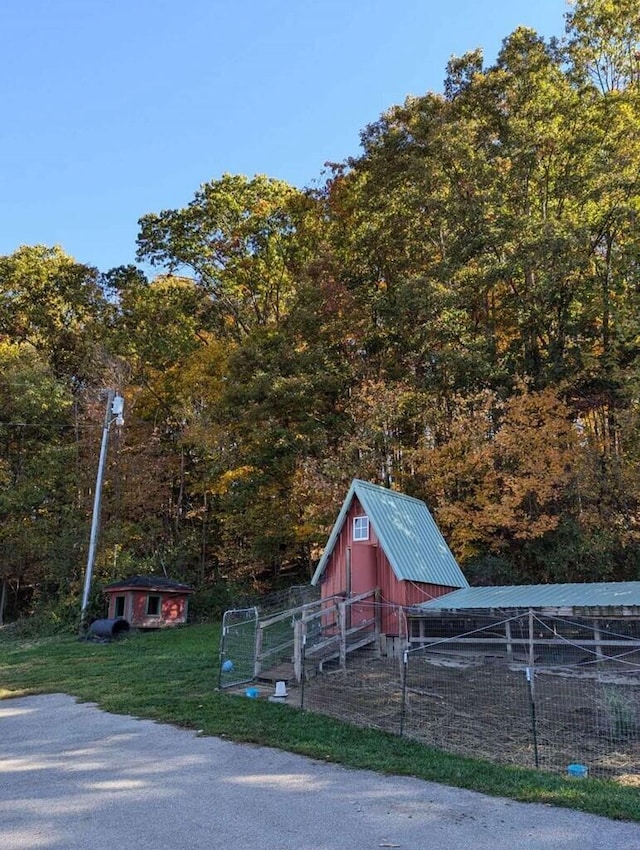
(406, 532)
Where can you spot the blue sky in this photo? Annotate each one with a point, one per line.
(116, 108)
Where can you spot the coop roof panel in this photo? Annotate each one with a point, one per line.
(609, 594)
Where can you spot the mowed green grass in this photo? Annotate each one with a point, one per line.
(171, 676)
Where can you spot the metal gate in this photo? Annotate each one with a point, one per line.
(238, 647)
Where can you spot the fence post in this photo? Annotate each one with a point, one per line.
(507, 632)
(532, 692)
(403, 704)
(298, 632)
(532, 655)
(221, 651)
(303, 664)
(597, 634)
(257, 667)
(532, 707)
(378, 623)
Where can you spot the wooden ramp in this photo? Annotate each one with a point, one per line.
(282, 672)
(302, 640)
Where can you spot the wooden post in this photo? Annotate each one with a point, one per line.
(598, 639)
(378, 625)
(342, 619)
(532, 655)
(507, 632)
(257, 665)
(403, 629)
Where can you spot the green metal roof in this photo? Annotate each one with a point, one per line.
(405, 529)
(608, 594)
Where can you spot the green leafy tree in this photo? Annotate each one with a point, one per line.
(56, 305)
(604, 43)
(39, 516)
(238, 238)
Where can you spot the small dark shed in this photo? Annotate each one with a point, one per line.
(149, 602)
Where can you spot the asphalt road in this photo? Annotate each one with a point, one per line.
(75, 778)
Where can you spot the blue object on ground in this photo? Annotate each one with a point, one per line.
(578, 770)
(252, 693)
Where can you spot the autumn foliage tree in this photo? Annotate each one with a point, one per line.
(506, 475)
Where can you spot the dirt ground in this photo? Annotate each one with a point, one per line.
(485, 709)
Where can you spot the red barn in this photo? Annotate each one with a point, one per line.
(387, 541)
(149, 602)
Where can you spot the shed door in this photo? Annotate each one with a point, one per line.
(363, 579)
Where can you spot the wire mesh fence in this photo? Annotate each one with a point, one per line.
(242, 642)
(365, 691)
(279, 601)
(545, 692)
(238, 647)
(563, 693)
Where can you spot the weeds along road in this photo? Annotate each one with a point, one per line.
(75, 778)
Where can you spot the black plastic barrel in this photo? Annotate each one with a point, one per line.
(109, 628)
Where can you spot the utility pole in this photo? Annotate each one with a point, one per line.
(113, 413)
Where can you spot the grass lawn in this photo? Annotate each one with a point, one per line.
(171, 676)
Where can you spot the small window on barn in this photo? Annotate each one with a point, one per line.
(361, 528)
(119, 607)
(153, 606)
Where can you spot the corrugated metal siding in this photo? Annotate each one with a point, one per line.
(593, 595)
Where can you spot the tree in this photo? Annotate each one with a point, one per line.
(604, 43)
(239, 238)
(249, 245)
(56, 305)
(39, 516)
(507, 474)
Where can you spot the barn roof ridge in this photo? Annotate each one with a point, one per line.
(360, 482)
(408, 534)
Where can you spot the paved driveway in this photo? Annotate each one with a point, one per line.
(75, 778)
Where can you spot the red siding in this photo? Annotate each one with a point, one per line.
(370, 569)
(173, 608)
(335, 580)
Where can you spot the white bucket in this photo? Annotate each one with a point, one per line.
(281, 689)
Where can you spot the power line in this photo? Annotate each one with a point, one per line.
(51, 425)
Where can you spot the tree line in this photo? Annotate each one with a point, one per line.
(453, 313)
